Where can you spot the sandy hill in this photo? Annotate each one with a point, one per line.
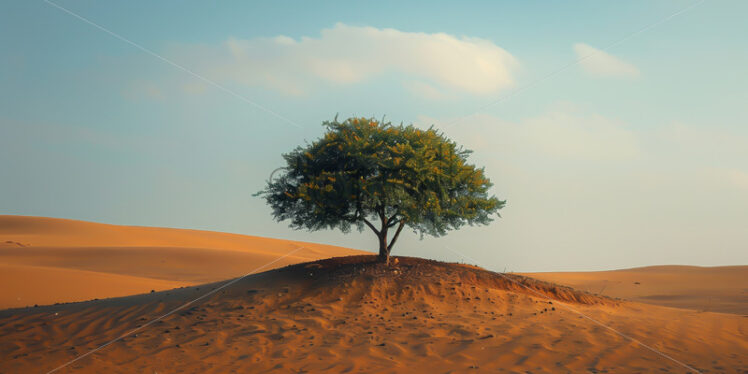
(714, 289)
(354, 315)
(48, 260)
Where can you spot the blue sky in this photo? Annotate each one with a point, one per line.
(636, 155)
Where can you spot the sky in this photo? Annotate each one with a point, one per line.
(616, 131)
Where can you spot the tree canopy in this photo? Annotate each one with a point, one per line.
(365, 173)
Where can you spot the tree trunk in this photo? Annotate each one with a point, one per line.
(384, 252)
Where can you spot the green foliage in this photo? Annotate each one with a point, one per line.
(364, 170)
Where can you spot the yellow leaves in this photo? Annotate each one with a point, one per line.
(308, 155)
(311, 185)
(288, 194)
(331, 178)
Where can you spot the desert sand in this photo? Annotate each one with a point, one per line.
(352, 315)
(712, 289)
(48, 260)
(346, 314)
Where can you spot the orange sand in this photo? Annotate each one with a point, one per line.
(713, 289)
(349, 316)
(341, 315)
(48, 260)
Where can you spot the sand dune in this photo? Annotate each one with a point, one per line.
(17, 231)
(29, 285)
(350, 315)
(148, 258)
(715, 289)
(340, 315)
(110, 260)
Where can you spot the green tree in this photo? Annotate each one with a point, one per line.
(364, 173)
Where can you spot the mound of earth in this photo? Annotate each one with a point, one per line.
(353, 314)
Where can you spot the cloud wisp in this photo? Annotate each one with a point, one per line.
(345, 55)
(600, 63)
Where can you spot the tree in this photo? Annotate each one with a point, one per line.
(363, 172)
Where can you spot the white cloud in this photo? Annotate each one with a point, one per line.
(600, 63)
(345, 55)
(425, 90)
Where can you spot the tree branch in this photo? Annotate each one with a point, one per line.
(383, 217)
(371, 226)
(392, 222)
(397, 233)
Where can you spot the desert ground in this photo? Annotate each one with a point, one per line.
(711, 289)
(49, 260)
(345, 314)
